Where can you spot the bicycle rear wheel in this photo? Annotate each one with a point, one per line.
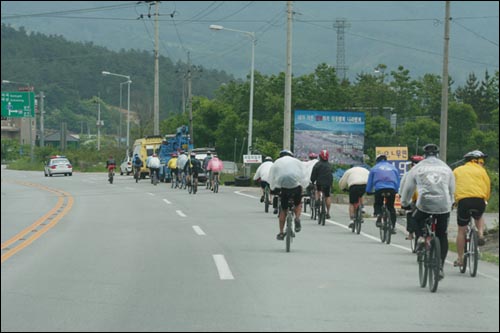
(434, 262)
(288, 232)
(323, 211)
(216, 190)
(422, 254)
(358, 219)
(473, 253)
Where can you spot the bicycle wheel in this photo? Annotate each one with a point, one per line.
(288, 233)
(473, 253)
(382, 232)
(388, 229)
(413, 243)
(358, 219)
(323, 211)
(216, 190)
(422, 266)
(434, 262)
(266, 199)
(313, 208)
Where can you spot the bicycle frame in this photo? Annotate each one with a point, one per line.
(386, 223)
(358, 217)
(429, 255)
(290, 218)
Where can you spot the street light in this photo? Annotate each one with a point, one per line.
(128, 103)
(30, 89)
(250, 115)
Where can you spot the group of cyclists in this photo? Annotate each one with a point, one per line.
(183, 169)
(430, 187)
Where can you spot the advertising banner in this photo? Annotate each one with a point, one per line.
(339, 132)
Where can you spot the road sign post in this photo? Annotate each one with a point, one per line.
(18, 104)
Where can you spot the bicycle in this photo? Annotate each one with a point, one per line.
(471, 249)
(386, 225)
(321, 209)
(312, 203)
(137, 174)
(358, 217)
(290, 218)
(111, 173)
(216, 187)
(154, 178)
(429, 255)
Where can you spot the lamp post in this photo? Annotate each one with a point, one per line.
(128, 103)
(30, 89)
(250, 113)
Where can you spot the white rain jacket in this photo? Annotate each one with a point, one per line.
(354, 176)
(435, 183)
(263, 171)
(288, 172)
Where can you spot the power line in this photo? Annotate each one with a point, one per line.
(475, 33)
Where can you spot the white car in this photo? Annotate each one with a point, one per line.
(126, 166)
(58, 165)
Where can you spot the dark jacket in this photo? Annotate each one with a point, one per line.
(322, 174)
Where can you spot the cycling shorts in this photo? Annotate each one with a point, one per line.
(326, 189)
(295, 193)
(475, 205)
(356, 192)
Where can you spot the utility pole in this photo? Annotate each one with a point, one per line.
(42, 129)
(288, 81)
(156, 111)
(99, 122)
(190, 102)
(444, 90)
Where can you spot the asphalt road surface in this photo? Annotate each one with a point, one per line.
(80, 254)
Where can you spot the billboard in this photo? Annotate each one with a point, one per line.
(341, 133)
(398, 156)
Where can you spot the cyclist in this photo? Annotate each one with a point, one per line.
(435, 183)
(172, 165)
(287, 176)
(110, 165)
(181, 163)
(321, 175)
(205, 165)
(313, 159)
(355, 180)
(472, 192)
(383, 177)
(262, 176)
(214, 166)
(410, 222)
(192, 168)
(154, 167)
(137, 164)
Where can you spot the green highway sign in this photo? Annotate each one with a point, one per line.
(18, 104)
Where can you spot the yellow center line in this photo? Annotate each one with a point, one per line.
(25, 242)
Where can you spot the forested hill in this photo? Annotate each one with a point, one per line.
(69, 72)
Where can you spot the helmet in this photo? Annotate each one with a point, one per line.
(475, 154)
(154, 155)
(193, 154)
(324, 155)
(313, 156)
(209, 152)
(136, 155)
(286, 152)
(381, 157)
(431, 149)
(416, 158)
(174, 154)
(268, 158)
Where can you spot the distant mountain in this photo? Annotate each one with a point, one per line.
(407, 33)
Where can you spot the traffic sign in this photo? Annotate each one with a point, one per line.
(18, 104)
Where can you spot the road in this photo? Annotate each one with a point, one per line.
(138, 257)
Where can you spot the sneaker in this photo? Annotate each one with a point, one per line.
(275, 211)
(261, 198)
(441, 274)
(327, 216)
(297, 225)
(351, 225)
(393, 231)
(280, 236)
(378, 224)
(481, 241)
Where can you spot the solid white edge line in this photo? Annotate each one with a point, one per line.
(222, 267)
(246, 195)
(180, 213)
(198, 230)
